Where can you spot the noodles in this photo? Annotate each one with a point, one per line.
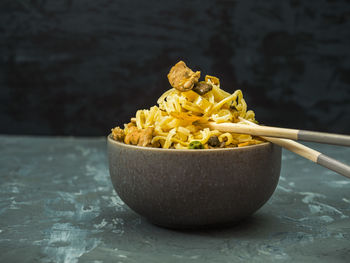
(178, 118)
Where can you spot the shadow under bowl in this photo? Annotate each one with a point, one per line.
(194, 188)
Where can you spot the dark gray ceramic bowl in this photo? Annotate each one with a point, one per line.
(194, 188)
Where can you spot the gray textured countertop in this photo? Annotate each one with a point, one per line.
(57, 204)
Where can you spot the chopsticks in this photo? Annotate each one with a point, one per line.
(290, 145)
(311, 136)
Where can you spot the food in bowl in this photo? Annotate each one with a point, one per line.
(177, 122)
(220, 183)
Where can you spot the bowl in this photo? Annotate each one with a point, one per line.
(194, 188)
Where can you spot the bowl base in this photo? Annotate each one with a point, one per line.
(216, 226)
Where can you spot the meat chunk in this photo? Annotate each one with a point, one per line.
(201, 88)
(183, 78)
(146, 136)
(118, 134)
(139, 137)
(132, 136)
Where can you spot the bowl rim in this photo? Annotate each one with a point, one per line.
(135, 147)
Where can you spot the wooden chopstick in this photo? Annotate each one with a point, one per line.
(311, 136)
(308, 153)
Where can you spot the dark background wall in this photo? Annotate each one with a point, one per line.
(80, 67)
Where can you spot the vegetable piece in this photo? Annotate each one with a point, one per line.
(190, 95)
(186, 116)
(182, 78)
(196, 145)
(201, 87)
(244, 144)
(214, 141)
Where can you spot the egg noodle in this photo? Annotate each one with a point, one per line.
(180, 118)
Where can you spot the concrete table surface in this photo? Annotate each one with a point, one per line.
(57, 204)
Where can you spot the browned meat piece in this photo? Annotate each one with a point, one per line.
(138, 137)
(183, 78)
(133, 135)
(118, 134)
(146, 136)
(201, 88)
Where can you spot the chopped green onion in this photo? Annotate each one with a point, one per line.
(196, 145)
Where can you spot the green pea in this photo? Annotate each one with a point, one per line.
(196, 145)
